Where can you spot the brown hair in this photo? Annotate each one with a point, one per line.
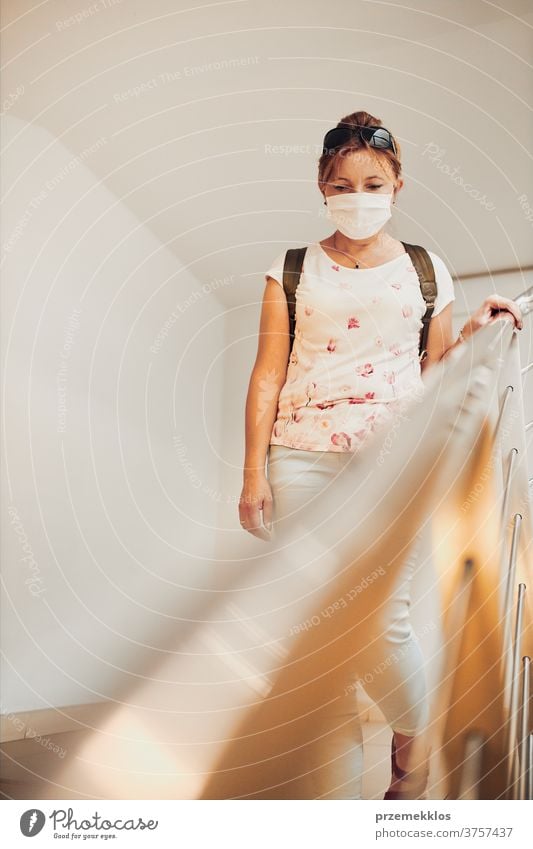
(328, 162)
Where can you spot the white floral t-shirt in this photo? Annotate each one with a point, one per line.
(355, 351)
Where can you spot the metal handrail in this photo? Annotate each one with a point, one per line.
(525, 301)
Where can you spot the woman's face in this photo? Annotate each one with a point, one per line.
(361, 171)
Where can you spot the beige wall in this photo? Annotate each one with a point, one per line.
(105, 466)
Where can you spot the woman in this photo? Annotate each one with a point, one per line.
(355, 356)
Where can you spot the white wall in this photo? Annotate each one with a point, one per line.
(106, 472)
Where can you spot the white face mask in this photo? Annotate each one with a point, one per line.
(359, 214)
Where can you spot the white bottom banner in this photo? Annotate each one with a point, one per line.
(264, 824)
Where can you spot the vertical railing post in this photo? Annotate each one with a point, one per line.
(530, 766)
(507, 650)
(512, 724)
(523, 784)
(507, 489)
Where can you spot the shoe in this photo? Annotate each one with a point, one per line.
(414, 790)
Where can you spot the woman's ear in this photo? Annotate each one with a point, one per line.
(396, 189)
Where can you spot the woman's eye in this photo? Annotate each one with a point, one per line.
(373, 186)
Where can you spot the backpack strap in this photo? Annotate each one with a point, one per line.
(428, 286)
(292, 269)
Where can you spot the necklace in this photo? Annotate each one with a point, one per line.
(344, 252)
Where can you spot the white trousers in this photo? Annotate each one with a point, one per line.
(390, 667)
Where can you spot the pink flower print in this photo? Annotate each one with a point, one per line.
(310, 390)
(309, 310)
(395, 349)
(335, 268)
(342, 439)
(353, 322)
(390, 376)
(407, 310)
(411, 268)
(359, 399)
(360, 434)
(365, 370)
(396, 285)
(278, 428)
(297, 416)
(378, 340)
(332, 344)
(326, 405)
(375, 299)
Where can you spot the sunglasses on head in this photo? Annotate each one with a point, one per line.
(377, 137)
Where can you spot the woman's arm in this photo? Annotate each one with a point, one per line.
(268, 376)
(440, 336)
(267, 379)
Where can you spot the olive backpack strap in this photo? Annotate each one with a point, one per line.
(292, 269)
(428, 286)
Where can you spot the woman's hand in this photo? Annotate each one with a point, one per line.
(489, 311)
(256, 495)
